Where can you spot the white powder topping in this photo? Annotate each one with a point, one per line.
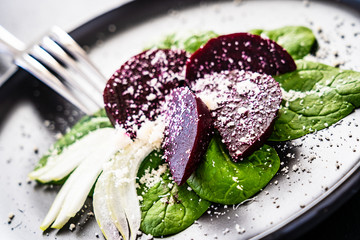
(129, 90)
(150, 97)
(152, 132)
(239, 229)
(242, 110)
(210, 99)
(244, 87)
(293, 95)
(160, 56)
(153, 177)
(295, 168)
(227, 230)
(72, 227)
(11, 215)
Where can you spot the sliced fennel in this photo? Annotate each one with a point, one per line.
(59, 166)
(72, 195)
(103, 211)
(116, 188)
(85, 125)
(123, 190)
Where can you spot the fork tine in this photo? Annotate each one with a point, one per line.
(81, 84)
(47, 63)
(78, 84)
(57, 51)
(6, 38)
(69, 44)
(31, 65)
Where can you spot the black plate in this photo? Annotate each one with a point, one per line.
(31, 115)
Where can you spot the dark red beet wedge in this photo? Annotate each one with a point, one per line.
(244, 106)
(241, 51)
(187, 133)
(135, 92)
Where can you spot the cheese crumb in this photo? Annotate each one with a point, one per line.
(72, 227)
(239, 229)
(153, 177)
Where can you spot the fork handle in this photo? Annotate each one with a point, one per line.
(10, 44)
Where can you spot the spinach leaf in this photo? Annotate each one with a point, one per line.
(188, 43)
(219, 179)
(85, 125)
(194, 42)
(299, 41)
(166, 208)
(315, 96)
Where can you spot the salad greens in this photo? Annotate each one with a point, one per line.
(219, 179)
(87, 156)
(303, 44)
(298, 41)
(166, 208)
(315, 96)
(188, 43)
(85, 125)
(115, 200)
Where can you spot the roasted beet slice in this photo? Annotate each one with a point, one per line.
(244, 105)
(241, 51)
(188, 132)
(135, 92)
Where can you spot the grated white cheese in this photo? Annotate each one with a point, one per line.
(293, 95)
(246, 86)
(153, 177)
(239, 229)
(210, 99)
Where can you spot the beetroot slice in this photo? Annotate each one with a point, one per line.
(241, 51)
(135, 92)
(244, 106)
(188, 132)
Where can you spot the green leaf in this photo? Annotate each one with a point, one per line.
(299, 41)
(166, 208)
(219, 179)
(100, 113)
(315, 96)
(168, 42)
(188, 43)
(194, 42)
(85, 125)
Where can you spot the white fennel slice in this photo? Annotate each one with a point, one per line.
(59, 166)
(121, 197)
(74, 192)
(102, 210)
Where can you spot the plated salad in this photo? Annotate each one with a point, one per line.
(190, 122)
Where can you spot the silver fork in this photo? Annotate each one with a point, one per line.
(59, 62)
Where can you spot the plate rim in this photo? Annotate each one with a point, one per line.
(337, 196)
